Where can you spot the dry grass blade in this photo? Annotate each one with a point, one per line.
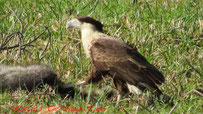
(49, 40)
(141, 105)
(174, 107)
(195, 91)
(21, 24)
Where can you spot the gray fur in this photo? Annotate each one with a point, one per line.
(31, 76)
(26, 77)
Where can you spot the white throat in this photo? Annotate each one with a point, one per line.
(88, 35)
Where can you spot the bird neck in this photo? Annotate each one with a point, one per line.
(88, 35)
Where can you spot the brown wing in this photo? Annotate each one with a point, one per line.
(123, 62)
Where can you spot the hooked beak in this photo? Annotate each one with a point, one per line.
(74, 23)
(69, 24)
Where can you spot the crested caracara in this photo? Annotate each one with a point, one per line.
(128, 68)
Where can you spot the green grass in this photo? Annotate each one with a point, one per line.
(167, 32)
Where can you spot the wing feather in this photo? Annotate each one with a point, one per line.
(124, 62)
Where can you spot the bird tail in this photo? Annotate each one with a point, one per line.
(155, 90)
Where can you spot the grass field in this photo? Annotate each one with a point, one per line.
(169, 33)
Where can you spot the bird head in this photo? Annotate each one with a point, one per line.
(85, 23)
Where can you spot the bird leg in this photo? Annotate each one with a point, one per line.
(121, 88)
(81, 83)
(68, 85)
(118, 98)
(94, 76)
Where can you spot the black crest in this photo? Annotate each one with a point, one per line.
(92, 21)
